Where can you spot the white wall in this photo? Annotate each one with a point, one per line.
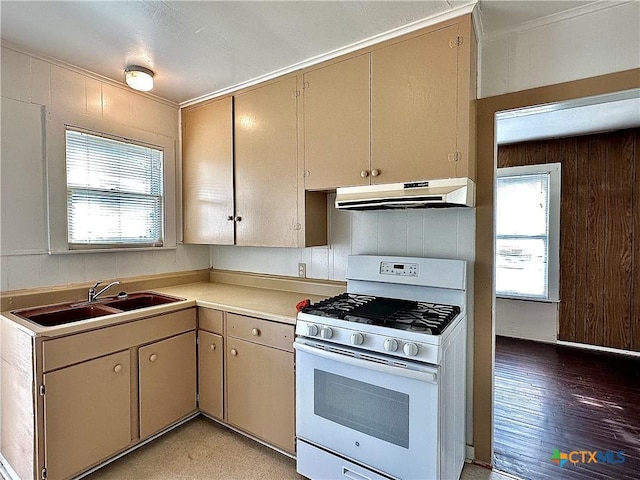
(35, 94)
(559, 49)
(528, 320)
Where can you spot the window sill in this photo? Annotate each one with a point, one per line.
(112, 250)
(527, 299)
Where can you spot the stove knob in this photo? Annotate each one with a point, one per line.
(312, 330)
(410, 349)
(326, 332)
(357, 339)
(390, 345)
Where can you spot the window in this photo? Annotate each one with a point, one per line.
(114, 192)
(527, 232)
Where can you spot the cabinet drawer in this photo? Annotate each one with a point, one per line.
(84, 346)
(210, 320)
(264, 332)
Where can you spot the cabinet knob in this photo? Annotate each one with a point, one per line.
(255, 332)
(213, 346)
(234, 352)
(117, 368)
(238, 219)
(230, 218)
(375, 172)
(153, 357)
(364, 173)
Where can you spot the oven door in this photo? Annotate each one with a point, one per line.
(377, 414)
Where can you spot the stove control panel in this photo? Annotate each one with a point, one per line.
(402, 269)
(374, 342)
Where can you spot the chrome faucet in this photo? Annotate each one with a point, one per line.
(92, 291)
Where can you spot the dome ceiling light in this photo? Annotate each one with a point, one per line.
(139, 78)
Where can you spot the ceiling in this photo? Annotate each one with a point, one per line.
(197, 48)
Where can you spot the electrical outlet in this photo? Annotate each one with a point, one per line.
(302, 270)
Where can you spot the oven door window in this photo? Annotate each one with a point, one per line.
(370, 409)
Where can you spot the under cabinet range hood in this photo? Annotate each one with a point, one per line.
(449, 192)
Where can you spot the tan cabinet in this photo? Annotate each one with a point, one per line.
(260, 380)
(266, 162)
(87, 413)
(167, 382)
(207, 173)
(402, 111)
(210, 362)
(420, 106)
(336, 101)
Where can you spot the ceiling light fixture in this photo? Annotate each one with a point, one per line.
(139, 78)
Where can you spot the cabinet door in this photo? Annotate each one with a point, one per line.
(210, 353)
(336, 124)
(167, 382)
(207, 173)
(260, 392)
(87, 414)
(413, 108)
(266, 178)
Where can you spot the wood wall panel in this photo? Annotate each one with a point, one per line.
(594, 325)
(618, 280)
(567, 155)
(599, 233)
(635, 296)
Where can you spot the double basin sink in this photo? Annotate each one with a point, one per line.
(60, 314)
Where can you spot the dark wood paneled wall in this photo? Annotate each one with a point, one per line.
(599, 233)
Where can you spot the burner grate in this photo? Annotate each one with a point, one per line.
(424, 317)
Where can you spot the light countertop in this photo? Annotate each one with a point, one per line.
(269, 304)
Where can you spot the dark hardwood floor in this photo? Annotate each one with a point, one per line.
(550, 397)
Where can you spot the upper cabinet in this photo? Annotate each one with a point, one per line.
(336, 124)
(414, 99)
(403, 111)
(266, 165)
(207, 173)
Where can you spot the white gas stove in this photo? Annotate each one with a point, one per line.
(380, 375)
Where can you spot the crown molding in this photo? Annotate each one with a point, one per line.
(390, 34)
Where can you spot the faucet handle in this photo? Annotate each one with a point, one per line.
(96, 285)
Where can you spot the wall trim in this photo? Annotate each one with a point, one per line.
(598, 348)
(562, 16)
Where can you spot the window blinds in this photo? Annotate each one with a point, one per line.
(522, 235)
(114, 192)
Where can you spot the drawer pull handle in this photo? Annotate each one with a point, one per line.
(213, 346)
(234, 352)
(375, 172)
(153, 357)
(364, 173)
(255, 332)
(117, 368)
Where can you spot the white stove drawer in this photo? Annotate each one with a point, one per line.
(318, 464)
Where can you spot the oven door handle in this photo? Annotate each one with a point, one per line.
(423, 376)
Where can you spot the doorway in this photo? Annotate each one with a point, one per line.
(550, 398)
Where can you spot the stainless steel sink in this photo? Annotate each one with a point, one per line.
(60, 314)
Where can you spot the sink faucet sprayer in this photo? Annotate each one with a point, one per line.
(92, 291)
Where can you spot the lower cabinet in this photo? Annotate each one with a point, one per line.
(87, 413)
(210, 374)
(260, 392)
(167, 372)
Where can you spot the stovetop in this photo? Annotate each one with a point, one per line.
(409, 315)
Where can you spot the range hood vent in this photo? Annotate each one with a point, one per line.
(449, 192)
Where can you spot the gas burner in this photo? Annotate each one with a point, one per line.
(420, 317)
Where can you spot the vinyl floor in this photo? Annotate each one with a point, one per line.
(551, 397)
